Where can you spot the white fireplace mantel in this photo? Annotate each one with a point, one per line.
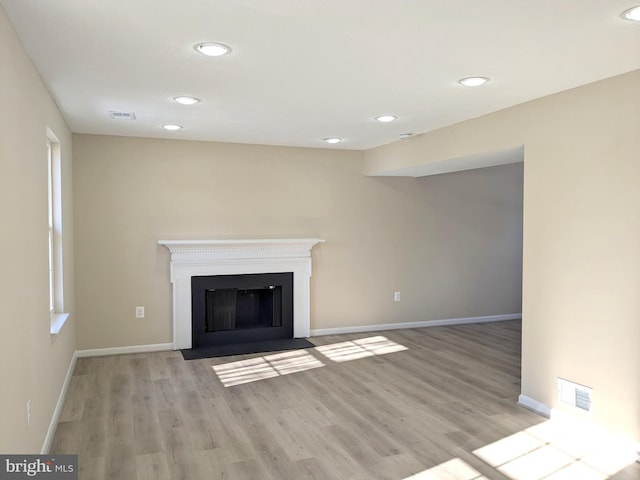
(238, 257)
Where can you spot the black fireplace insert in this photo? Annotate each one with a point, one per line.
(228, 309)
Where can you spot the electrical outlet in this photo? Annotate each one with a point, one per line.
(139, 312)
(396, 296)
(28, 413)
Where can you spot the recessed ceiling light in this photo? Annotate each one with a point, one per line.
(632, 14)
(333, 140)
(473, 81)
(186, 100)
(212, 49)
(386, 118)
(171, 127)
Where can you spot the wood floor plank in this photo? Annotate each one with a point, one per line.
(367, 406)
(76, 394)
(146, 425)
(152, 466)
(228, 431)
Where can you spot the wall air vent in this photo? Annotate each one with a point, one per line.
(574, 395)
(122, 115)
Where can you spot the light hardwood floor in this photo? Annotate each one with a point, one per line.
(351, 409)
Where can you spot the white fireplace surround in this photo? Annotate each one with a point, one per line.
(237, 257)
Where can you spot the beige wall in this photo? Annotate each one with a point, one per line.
(33, 364)
(451, 244)
(581, 314)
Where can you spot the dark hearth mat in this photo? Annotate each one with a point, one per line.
(244, 348)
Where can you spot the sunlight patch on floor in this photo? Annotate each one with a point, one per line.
(268, 366)
(552, 450)
(536, 464)
(456, 469)
(356, 349)
(558, 450)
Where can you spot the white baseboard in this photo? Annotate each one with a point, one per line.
(100, 352)
(535, 406)
(53, 424)
(428, 323)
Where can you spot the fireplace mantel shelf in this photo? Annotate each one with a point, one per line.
(264, 246)
(237, 257)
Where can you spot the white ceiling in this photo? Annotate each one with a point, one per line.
(303, 70)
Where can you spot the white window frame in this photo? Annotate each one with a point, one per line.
(54, 215)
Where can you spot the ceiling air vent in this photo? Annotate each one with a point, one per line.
(122, 115)
(575, 395)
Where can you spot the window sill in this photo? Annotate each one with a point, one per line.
(57, 321)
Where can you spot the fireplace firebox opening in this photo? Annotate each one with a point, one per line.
(229, 309)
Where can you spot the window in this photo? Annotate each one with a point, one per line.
(50, 215)
(54, 207)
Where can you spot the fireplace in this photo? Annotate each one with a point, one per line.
(205, 258)
(227, 309)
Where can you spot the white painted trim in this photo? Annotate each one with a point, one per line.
(535, 406)
(57, 322)
(191, 258)
(231, 248)
(100, 352)
(428, 323)
(53, 424)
